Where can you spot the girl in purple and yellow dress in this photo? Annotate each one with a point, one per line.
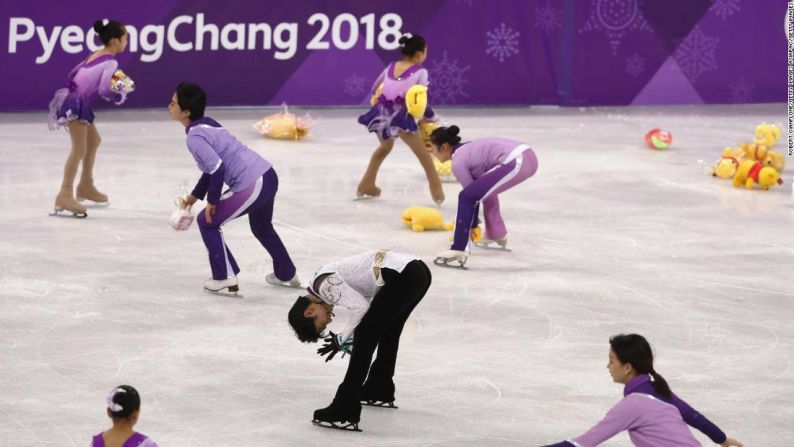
(71, 108)
(400, 99)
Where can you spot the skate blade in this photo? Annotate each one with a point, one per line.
(346, 426)
(229, 294)
(492, 247)
(285, 284)
(363, 197)
(379, 404)
(62, 212)
(91, 204)
(450, 263)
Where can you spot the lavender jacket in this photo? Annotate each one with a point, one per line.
(651, 419)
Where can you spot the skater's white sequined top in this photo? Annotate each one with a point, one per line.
(352, 282)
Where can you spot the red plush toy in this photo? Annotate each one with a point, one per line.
(658, 139)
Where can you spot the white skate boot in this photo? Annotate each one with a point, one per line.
(452, 258)
(493, 244)
(217, 286)
(295, 282)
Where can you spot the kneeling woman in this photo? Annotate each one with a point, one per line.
(380, 289)
(649, 411)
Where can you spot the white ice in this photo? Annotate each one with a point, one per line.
(608, 237)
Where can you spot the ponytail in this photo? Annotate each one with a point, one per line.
(635, 350)
(661, 385)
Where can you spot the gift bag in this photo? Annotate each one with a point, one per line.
(181, 217)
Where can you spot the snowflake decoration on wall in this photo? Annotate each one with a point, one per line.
(742, 91)
(696, 54)
(447, 79)
(615, 18)
(354, 85)
(635, 65)
(502, 42)
(725, 8)
(548, 18)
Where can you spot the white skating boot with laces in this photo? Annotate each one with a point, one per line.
(295, 282)
(225, 287)
(452, 258)
(493, 244)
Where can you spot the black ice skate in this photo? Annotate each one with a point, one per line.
(378, 394)
(339, 415)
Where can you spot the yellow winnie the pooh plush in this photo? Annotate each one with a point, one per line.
(766, 156)
(728, 164)
(766, 134)
(421, 218)
(751, 172)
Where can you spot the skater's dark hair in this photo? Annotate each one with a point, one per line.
(303, 327)
(123, 401)
(109, 30)
(445, 135)
(635, 350)
(192, 98)
(411, 44)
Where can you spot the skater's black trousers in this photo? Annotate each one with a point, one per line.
(382, 326)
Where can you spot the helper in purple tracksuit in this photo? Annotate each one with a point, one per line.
(252, 185)
(485, 168)
(651, 413)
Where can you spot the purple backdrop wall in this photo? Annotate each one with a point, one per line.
(567, 52)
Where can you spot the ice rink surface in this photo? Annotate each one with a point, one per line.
(608, 237)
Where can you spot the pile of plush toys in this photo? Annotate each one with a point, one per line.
(753, 163)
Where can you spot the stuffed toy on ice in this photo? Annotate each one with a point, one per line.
(728, 164)
(766, 156)
(284, 125)
(751, 172)
(444, 170)
(421, 218)
(766, 134)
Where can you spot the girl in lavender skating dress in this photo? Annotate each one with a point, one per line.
(71, 108)
(389, 117)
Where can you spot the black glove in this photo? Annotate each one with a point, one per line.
(333, 344)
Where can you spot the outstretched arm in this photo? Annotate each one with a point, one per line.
(697, 420)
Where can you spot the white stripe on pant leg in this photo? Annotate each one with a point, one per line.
(229, 269)
(510, 175)
(518, 150)
(250, 200)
